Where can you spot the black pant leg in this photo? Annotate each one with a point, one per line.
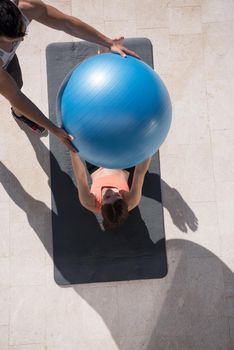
(14, 70)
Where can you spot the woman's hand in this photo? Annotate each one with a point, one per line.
(117, 46)
(65, 138)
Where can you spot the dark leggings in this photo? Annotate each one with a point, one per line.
(14, 70)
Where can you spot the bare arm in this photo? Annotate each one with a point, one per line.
(51, 17)
(86, 198)
(134, 196)
(10, 90)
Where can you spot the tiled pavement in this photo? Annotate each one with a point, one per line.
(193, 307)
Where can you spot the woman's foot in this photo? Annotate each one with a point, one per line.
(32, 125)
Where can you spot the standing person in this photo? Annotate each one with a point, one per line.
(15, 17)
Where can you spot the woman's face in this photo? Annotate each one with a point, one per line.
(110, 195)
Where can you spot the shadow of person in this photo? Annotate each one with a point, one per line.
(68, 216)
(181, 214)
(198, 308)
(37, 212)
(168, 315)
(189, 309)
(79, 236)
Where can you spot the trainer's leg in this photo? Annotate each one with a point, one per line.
(14, 70)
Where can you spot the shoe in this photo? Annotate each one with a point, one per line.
(32, 125)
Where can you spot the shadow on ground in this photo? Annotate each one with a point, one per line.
(189, 309)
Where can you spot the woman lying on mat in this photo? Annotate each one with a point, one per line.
(15, 18)
(109, 192)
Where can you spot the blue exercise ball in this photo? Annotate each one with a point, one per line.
(118, 109)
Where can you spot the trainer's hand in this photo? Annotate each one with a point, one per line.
(65, 138)
(117, 47)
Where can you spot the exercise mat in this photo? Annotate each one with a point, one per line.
(82, 251)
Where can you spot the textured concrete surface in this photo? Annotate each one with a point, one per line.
(193, 307)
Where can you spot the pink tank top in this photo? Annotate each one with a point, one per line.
(107, 181)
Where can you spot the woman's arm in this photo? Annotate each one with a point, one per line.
(133, 197)
(86, 198)
(144, 166)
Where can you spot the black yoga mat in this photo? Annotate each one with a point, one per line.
(82, 251)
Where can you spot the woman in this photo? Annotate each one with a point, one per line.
(109, 192)
(15, 17)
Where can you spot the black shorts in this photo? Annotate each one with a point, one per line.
(91, 168)
(14, 70)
